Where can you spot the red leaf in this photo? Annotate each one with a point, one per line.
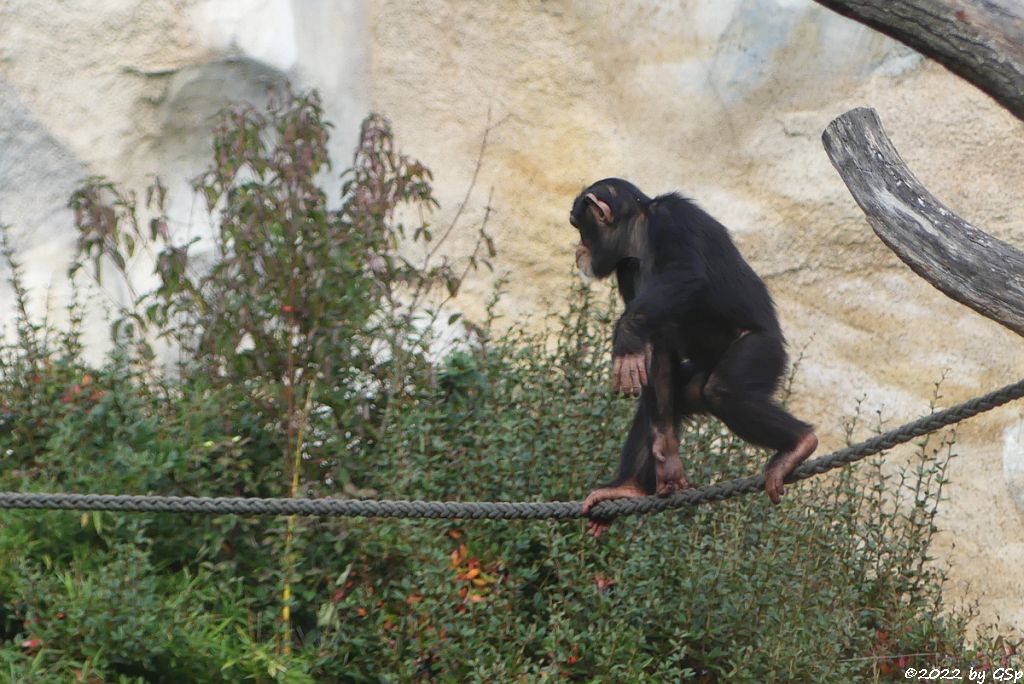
(602, 582)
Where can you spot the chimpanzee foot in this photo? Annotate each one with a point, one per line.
(598, 526)
(668, 466)
(783, 463)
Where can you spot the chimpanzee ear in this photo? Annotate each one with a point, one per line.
(601, 210)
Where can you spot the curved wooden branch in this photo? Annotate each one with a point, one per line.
(981, 41)
(962, 261)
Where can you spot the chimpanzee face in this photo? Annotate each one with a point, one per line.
(586, 218)
(601, 214)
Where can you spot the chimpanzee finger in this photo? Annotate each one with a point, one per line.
(622, 380)
(598, 527)
(773, 488)
(642, 367)
(634, 378)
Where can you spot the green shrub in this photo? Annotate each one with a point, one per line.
(308, 369)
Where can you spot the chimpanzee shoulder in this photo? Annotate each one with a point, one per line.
(679, 229)
(684, 235)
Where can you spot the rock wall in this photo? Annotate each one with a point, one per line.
(720, 99)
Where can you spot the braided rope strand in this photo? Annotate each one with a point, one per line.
(524, 510)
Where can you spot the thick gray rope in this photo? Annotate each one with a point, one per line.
(510, 510)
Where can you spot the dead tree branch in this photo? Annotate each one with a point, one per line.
(981, 41)
(962, 261)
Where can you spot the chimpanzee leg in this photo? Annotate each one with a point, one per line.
(689, 392)
(672, 393)
(635, 466)
(739, 392)
(649, 461)
(668, 384)
(636, 474)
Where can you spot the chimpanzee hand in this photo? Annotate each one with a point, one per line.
(630, 355)
(629, 374)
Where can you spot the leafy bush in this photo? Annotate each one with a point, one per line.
(308, 369)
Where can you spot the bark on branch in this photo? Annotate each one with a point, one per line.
(962, 261)
(980, 40)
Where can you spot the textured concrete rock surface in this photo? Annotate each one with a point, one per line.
(722, 100)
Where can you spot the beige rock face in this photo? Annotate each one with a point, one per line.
(720, 99)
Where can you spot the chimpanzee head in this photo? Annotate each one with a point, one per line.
(606, 215)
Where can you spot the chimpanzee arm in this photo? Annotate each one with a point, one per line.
(627, 274)
(668, 296)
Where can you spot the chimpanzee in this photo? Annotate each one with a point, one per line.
(699, 335)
